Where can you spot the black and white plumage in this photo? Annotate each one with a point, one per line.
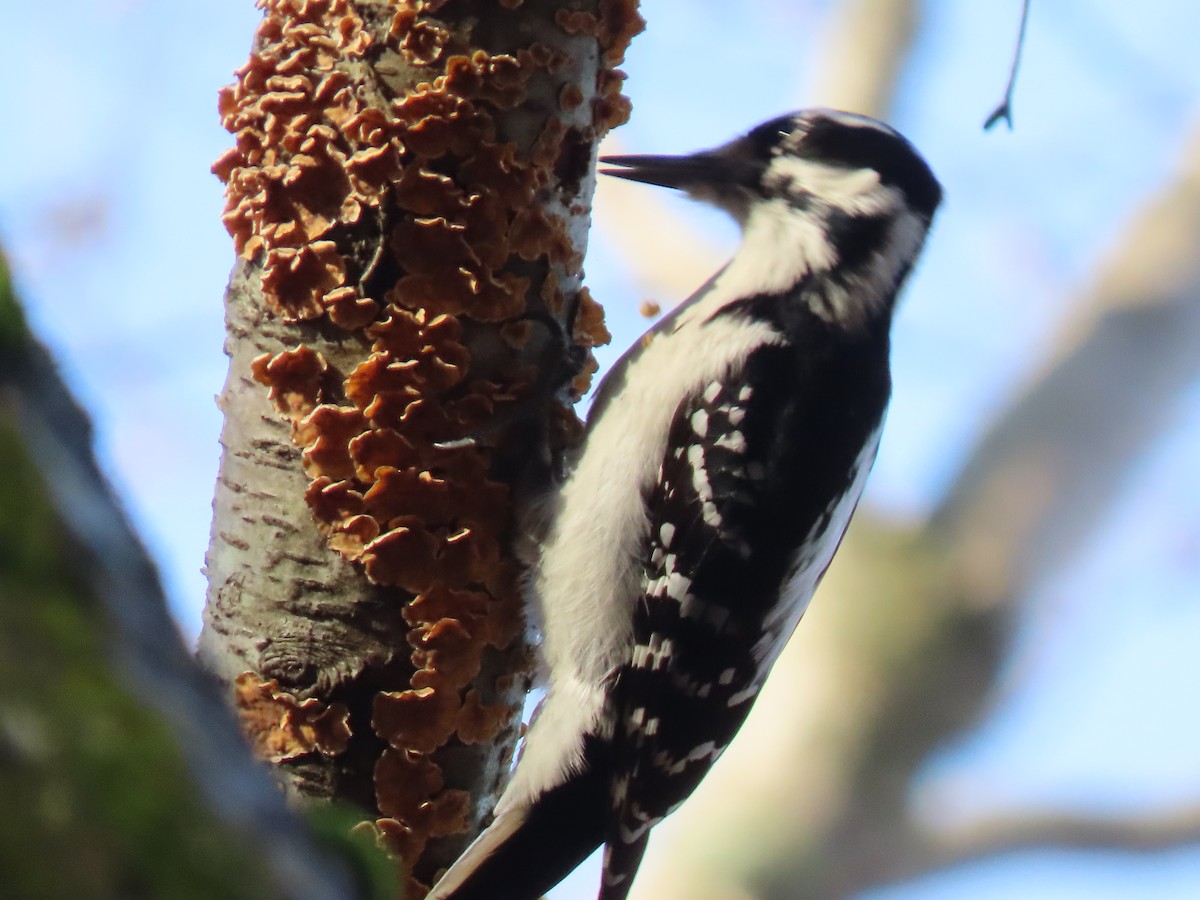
(725, 454)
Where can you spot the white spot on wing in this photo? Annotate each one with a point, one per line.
(732, 441)
(672, 766)
(620, 790)
(740, 697)
(695, 457)
(678, 587)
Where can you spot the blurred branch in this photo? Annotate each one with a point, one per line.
(1140, 834)
(865, 47)
(83, 602)
(1041, 478)
(986, 840)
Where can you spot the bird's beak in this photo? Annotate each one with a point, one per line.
(708, 169)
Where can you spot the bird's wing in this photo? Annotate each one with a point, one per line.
(762, 474)
(693, 674)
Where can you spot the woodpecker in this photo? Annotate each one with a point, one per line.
(724, 456)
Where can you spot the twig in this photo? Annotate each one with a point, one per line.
(1004, 110)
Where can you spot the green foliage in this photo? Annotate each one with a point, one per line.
(13, 333)
(341, 829)
(97, 800)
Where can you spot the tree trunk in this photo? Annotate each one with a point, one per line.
(407, 330)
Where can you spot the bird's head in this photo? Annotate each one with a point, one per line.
(809, 160)
(819, 194)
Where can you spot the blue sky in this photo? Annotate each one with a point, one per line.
(110, 219)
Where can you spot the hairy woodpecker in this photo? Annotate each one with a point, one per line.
(724, 456)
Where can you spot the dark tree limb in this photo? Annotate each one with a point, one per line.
(90, 641)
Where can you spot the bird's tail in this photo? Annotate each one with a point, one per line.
(621, 861)
(528, 850)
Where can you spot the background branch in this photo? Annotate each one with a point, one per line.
(105, 751)
(1149, 833)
